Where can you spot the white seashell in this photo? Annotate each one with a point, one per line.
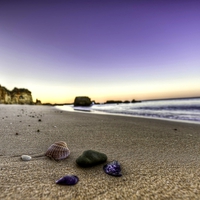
(26, 157)
(58, 151)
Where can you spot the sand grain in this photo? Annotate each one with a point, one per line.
(159, 159)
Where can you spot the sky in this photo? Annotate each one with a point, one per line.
(104, 49)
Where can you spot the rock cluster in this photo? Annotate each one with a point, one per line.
(16, 96)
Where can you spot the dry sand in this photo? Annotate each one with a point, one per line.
(159, 159)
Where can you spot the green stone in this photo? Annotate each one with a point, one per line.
(91, 158)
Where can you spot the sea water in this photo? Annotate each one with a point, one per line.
(187, 109)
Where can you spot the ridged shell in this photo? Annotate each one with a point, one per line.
(58, 151)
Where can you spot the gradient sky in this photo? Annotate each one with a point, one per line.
(119, 49)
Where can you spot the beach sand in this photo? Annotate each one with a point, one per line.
(159, 159)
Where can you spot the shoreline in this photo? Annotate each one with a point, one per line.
(159, 159)
(69, 109)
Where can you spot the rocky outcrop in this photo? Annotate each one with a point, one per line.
(134, 101)
(38, 102)
(82, 101)
(16, 96)
(113, 101)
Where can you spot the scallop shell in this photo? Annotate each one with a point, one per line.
(68, 180)
(58, 151)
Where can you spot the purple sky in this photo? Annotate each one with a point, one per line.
(100, 48)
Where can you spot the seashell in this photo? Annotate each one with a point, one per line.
(26, 157)
(68, 180)
(58, 151)
(113, 169)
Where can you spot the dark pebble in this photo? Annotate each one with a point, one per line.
(91, 158)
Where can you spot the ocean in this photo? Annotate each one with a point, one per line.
(185, 110)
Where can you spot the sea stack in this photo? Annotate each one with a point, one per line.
(82, 101)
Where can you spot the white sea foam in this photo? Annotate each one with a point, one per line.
(187, 110)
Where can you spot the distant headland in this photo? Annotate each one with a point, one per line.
(17, 96)
(24, 96)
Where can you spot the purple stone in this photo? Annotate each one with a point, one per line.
(113, 169)
(68, 180)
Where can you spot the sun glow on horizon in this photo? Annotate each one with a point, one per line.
(122, 52)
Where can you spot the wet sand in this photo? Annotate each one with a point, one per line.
(159, 159)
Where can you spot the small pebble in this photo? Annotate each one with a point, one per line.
(25, 157)
(38, 130)
(16, 133)
(39, 120)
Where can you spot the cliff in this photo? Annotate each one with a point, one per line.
(16, 96)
